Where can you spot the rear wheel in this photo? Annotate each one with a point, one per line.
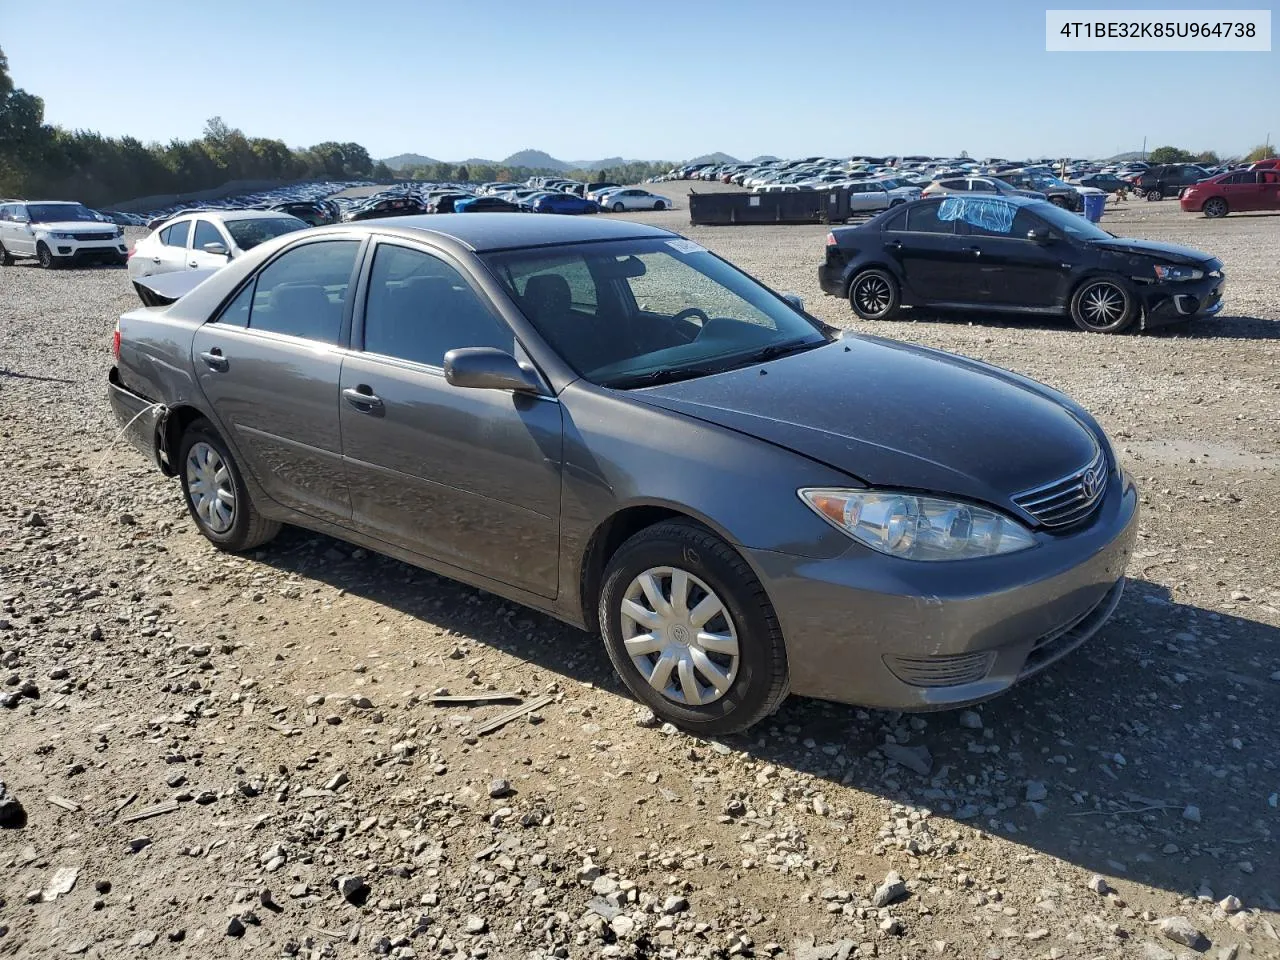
(6, 258)
(1215, 207)
(1059, 201)
(45, 256)
(1155, 195)
(617, 207)
(215, 492)
(874, 295)
(691, 631)
(1102, 305)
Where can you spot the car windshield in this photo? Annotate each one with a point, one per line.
(637, 312)
(59, 212)
(1069, 223)
(249, 233)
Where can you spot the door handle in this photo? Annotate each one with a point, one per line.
(363, 399)
(192, 264)
(214, 359)
(974, 250)
(155, 259)
(894, 244)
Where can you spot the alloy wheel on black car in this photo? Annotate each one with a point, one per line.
(874, 295)
(1102, 306)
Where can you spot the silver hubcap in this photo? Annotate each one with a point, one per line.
(213, 495)
(679, 636)
(873, 295)
(1102, 305)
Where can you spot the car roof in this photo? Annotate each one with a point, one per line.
(505, 231)
(223, 214)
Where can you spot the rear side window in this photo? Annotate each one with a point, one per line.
(206, 232)
(954, 184)
(176, 235)
(303, 292)
(923, 218)
(419, 308)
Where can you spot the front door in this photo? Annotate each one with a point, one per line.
(270, 365)
(1014, 271)
(206, 231)
(468, 477)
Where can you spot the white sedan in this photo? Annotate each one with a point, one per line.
(206, 240)
(633, 198)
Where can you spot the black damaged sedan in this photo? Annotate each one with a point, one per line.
(1016, 255)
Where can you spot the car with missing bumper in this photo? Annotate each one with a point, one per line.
(58, 233)
(1016, 255)
(606, 422)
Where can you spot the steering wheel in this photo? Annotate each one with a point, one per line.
(688, 313)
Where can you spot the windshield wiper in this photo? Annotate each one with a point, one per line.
(661, 375)
(775, 350)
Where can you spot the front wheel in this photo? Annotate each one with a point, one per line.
(45, 256)
(215, 492)
(691, 631)
(1215, 207)
(659, 205)
(874, 295)
(1102, 306)
(1155, 195)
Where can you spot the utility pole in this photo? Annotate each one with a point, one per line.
(1144, 148)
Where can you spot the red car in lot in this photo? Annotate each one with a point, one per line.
(1235, 191)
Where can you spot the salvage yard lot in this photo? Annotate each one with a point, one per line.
(283, 699)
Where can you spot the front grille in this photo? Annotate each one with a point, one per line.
(945, 671)
(94, 236)
(1056, 644)
(1069, 500)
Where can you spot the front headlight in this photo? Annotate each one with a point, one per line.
(1169, 272)
(61, 236)
(918, 528)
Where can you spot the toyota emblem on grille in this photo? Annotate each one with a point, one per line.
(1091, 483)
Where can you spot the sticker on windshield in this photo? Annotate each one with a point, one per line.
(685, 246)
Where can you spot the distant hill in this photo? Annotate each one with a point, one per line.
(715, 158)
(1122, 157)
(401, 160)
(763, 158)
(534, 159)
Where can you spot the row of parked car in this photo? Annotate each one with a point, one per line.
(1217, 190)
(537, 195)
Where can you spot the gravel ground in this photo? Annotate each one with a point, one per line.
(205, 755)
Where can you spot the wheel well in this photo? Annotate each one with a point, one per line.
(609, 536)
(863, 268)
(172, 428)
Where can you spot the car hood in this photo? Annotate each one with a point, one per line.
(1171, 252)
(895, 415)
(77, 226)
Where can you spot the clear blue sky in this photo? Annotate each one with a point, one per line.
(669, 80)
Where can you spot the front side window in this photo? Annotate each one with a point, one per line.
(663, 309)
(303, 292)
(419, 308)
(206, 232)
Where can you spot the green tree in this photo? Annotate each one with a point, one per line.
(1262, 151)
(462, 174)
(1208, 157)
(381, 172)
(1169, 155)
(484, 173)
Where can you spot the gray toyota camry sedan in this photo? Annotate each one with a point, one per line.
(607, 422)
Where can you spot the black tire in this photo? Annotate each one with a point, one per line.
(1059, 202)
(659, 205)
(1155, 194)
(618, 207)
(1216, 207)
(761, 682)
(248, 528)
(1103, 305)
(896, 203)
(874, 294)
(45, 256)
(6, 258)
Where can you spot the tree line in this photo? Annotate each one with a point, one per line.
(1208, 158)
(441, 172)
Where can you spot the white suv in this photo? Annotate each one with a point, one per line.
(57, 233)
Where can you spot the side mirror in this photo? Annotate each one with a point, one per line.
(488, 368)
(1039, 235)
(795, 300)
(217, 249)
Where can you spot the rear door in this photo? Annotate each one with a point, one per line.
(270, 365)
(18, 235)
(171, 252)
(928, 253)
(465, 476)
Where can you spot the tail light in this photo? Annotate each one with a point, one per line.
(132, 250)
(831, 240)
(115, 341)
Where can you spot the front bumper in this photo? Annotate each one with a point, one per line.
(1165, 303)
(109, 250)
(892, 634)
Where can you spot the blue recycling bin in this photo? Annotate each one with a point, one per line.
(1094, 204)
